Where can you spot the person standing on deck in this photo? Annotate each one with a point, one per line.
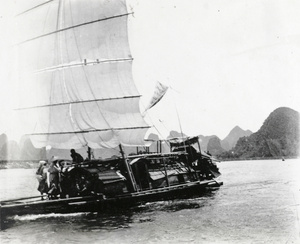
(76, 157)
(41, 175)
(53, 180)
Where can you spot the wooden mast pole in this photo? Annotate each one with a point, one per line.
(199, 146)
(129, 171)
(188, 166)
(166, 173)
(89, 153)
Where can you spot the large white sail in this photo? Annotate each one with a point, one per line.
(75, 75)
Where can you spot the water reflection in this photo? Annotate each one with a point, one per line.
(178, 204)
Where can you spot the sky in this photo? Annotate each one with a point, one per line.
(226, 63)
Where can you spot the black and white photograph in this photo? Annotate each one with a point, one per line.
(150, 121)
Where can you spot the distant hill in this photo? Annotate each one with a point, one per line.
(10, 150)
(226, 144)
(175, 134)
(3, 140)
(214, 146)
(277, 137)
(24, 150)
(231, 139)
(29, 152)
(204, 141)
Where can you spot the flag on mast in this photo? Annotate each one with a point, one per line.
(159, 92)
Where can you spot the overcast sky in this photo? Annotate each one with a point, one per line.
(227, 62)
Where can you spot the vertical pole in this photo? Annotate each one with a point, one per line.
(2, 219)
(166, 174)
(199, 146)
(130, 175)
(1, 223)
(121, 151)
(89, 153)
(199, 162)
(183, 140)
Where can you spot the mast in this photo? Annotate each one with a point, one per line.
(89, 152)
(199, 146)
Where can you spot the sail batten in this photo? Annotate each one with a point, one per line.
(90, 131)
(84, 101)
(73, 27)
(34, 7)
(84, 62)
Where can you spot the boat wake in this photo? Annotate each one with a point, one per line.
(46, 216)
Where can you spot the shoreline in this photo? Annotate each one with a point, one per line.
(257, 158)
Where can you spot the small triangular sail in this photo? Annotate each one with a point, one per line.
(75, 75)
(159, 92)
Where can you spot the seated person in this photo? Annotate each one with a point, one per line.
(76, 157)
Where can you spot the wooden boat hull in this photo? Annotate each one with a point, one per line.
(99, 203)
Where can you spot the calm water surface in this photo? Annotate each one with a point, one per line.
(258, 203)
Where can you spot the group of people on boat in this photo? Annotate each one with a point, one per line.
(49, 175)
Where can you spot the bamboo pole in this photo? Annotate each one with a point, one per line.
(166, 174)
(131, 177)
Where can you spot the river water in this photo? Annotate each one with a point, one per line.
(258, 203)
